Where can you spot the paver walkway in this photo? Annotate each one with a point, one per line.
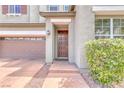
(32, 73)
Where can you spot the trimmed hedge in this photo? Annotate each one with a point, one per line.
(106, 60)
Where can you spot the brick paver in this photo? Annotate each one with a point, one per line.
(28, 73)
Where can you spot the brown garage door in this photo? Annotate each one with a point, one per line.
(22, 48)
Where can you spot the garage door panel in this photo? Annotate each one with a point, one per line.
(22, 48)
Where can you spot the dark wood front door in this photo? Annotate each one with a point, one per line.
(62, 43)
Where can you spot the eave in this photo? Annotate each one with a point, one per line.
(22, 25)
(23, 33)
(57, 14)
(108, 10)
(21, 36)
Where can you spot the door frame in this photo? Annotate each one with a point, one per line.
(56, 45)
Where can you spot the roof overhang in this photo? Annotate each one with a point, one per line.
(108, 10)
(21, 30)
(22, 25)
(23, 34)
(110, 13)
(57, 14)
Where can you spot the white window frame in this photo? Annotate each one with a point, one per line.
(49, 6)
(111, 28)
(13, 14)
(111, 35)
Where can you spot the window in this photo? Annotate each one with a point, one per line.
(109, 28)
(118, 27)
(66, 7)
(53, 8)
(102, 28)
(14, 9)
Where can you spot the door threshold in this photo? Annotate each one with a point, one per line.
(61, 59)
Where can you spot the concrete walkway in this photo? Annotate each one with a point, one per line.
(32, 73)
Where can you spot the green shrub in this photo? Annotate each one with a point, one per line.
(106, 60)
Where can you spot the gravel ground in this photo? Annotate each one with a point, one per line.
(93, 84)
(86, 75)
(121, 85)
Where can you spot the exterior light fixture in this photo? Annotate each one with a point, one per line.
(48, 32)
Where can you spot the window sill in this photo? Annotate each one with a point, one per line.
(102, 35)
(14, 14)
(52, 11)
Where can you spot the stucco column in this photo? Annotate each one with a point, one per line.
(61, 8)
(84, 31)
(34, 14)
(71, 41)
(49, 42)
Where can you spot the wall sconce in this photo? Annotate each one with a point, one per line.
(48, 32)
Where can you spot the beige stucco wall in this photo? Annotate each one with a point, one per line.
(84, 31)
(34, 14)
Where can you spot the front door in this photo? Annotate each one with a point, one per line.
(62, 44)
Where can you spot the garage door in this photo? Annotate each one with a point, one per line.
(22, 40)
(22, 43)
(22, 48)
